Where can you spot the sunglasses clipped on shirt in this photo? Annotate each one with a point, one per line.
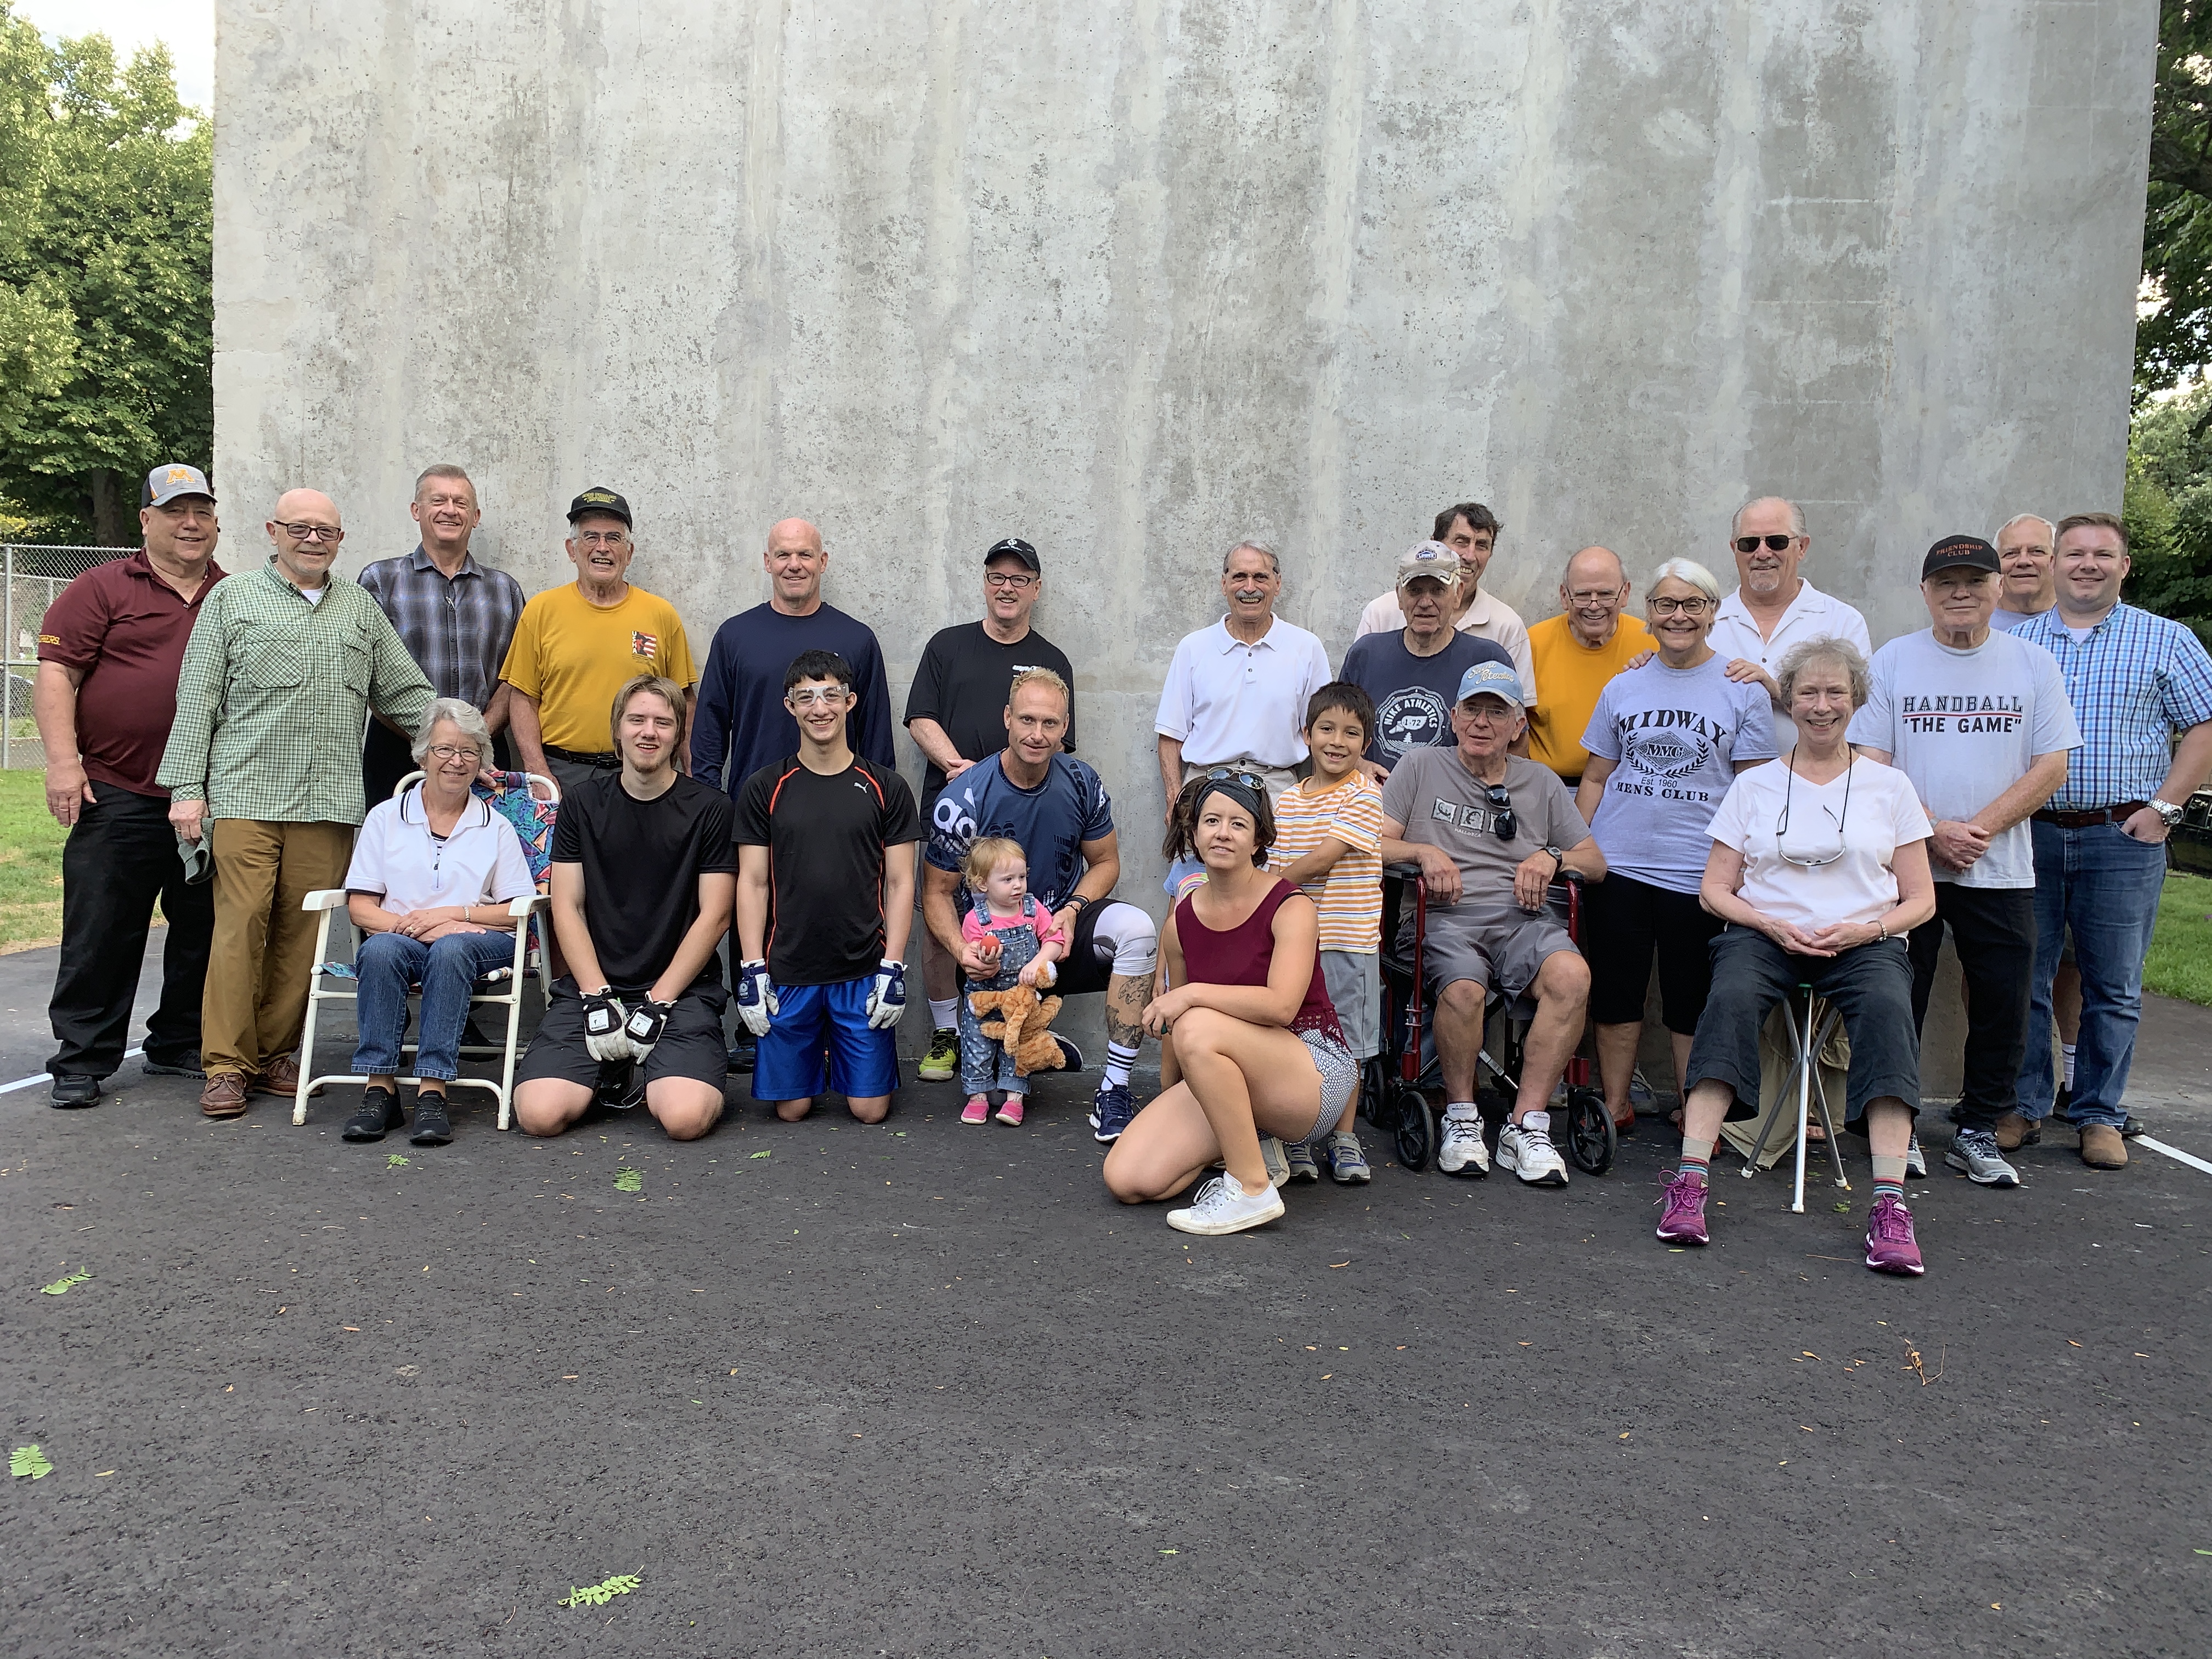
(1503, 824)
(1775, 543)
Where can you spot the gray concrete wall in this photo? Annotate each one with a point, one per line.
(1137, 279)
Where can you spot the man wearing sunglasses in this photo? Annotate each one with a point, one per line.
(1774, 607)
(1492, 832)
(263, 760)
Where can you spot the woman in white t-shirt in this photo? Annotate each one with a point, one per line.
(1819, 868)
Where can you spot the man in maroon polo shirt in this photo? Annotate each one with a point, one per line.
(109, 651)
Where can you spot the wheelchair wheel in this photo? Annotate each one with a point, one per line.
(1374, 1092)
(1591, 1138)
(1415, 1132)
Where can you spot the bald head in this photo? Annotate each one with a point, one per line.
(298, 505)
(306, 533)
(795, 562)
(1592, 593)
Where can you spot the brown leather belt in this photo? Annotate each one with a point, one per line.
(2120, 814)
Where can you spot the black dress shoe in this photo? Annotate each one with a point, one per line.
(432, 1126)
(72, 1090)
(184, 1065)
(378, 1115)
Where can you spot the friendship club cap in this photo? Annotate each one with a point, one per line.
(1429, 559)
(1952, 552)
(600, 499)
(1492, 680)
(165, 484)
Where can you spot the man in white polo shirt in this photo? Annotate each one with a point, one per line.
(1237, 691)
(1471, 531)
(1773, 607)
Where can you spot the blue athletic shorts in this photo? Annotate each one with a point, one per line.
(791, 1062)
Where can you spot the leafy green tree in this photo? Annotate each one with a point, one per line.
(106, 297)
(2168, 509)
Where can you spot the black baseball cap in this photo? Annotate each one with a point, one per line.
(600, 499)
(1951, 551)
(1014, 547)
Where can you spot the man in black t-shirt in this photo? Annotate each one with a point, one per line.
(824, 902)
(955, 713)
(643, 878)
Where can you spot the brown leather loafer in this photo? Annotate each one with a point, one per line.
(224, 1095)
(2102, 1147)
(2014, 1132)
(282, 1077)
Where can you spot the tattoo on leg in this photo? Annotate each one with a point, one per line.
(1126, 996)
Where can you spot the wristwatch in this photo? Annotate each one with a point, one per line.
(2168, 813)
(1558, 859)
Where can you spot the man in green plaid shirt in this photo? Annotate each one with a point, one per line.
(278, 677)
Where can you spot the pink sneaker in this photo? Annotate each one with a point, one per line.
(1011, 1112)
(1683, 1221)
(976, 1110)
(1891, 1248)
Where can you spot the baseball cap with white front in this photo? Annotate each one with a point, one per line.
(1429, 559)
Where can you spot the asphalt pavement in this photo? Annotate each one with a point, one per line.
(924, 1389)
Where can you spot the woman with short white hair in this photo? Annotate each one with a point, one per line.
(432, 870)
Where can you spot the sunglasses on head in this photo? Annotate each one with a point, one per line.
(1775, 543)
(1502, 821)
(1230, 774)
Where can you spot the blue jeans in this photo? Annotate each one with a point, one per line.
(2103, 886)
(387, 965)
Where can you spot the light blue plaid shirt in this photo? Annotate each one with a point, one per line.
(2135, 682)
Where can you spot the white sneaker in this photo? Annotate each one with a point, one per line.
(1526, 1149)
(1278, 1164)
(1461, 1147)
(1916, 1161)
(1224, 1206)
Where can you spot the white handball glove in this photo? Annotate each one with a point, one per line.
(887, 997)
(604, 1015)
(643, 1028)
(756, 997)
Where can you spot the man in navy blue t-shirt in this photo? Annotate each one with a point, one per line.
(1054, 808)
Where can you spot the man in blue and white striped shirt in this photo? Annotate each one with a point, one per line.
(2136, 681)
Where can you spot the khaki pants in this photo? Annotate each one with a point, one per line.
(264, 944)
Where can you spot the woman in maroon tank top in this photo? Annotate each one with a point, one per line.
(1249, 1043)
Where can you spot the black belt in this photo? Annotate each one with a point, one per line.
(606, 760)
(2095, 815)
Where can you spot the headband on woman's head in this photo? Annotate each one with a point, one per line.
(1244, 795)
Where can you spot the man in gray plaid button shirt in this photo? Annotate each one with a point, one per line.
(282, 668)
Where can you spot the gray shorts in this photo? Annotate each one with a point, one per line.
(1340, 1076)
(1502, 953)
(1355, 986)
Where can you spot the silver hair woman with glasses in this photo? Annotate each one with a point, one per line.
(1819, 868)
(434, 869)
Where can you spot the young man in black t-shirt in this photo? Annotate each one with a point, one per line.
(955, 713)
(643, 878)
(824, 901)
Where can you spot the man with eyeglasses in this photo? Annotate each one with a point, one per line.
(263, 763)
(1773, 607)
(577, 645)
(1576, 655)
(1471, 531)
(1492, 832)
(1980, 721)
(2029, 566)
(955, 713)
(105, 696)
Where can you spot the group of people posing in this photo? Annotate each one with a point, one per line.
(1755, 800)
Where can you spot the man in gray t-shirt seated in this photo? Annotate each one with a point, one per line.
(1492, 832)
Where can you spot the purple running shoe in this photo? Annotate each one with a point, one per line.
(1891, 1248)
(1684, 1221)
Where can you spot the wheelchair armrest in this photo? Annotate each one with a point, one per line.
(324, 898)
(1403, 871)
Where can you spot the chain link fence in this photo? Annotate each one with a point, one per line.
(30, 577)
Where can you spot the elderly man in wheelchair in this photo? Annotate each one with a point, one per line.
(1491, 832)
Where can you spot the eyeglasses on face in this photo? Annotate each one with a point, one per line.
(1503, 824)
(311, 532)
(807, 696)
(1014, 579)
(603, 538)
(447, 753)
(1777, 543)
(1696, 606)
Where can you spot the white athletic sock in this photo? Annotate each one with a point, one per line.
(2066, 1053)
(945, 1016)
(1119, 1057)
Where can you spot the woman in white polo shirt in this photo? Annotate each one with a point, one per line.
(432, 870)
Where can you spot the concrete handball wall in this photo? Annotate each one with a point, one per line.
(1137, 279)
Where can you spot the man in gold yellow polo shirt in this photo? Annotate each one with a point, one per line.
(1575, 653)
(578, 645)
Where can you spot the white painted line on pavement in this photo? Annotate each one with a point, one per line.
(2175, 1153)
(37, 1078)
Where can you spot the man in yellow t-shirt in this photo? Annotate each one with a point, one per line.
(576, 646)
(1575, 653)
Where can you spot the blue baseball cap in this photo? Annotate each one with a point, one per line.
(1492, 680)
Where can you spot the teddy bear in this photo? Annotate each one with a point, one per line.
(1015, 1018)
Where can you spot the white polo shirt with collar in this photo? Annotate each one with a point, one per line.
(1488, 618)
(1225, 700)
(1812, 614)
(397, 860)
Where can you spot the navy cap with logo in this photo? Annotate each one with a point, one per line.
(165, 484)
(599, 498)
(1013, 547)
(1952, 552)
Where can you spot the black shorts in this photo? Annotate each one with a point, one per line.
(691, 1044)
(1081, 971)
(1624, 921)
